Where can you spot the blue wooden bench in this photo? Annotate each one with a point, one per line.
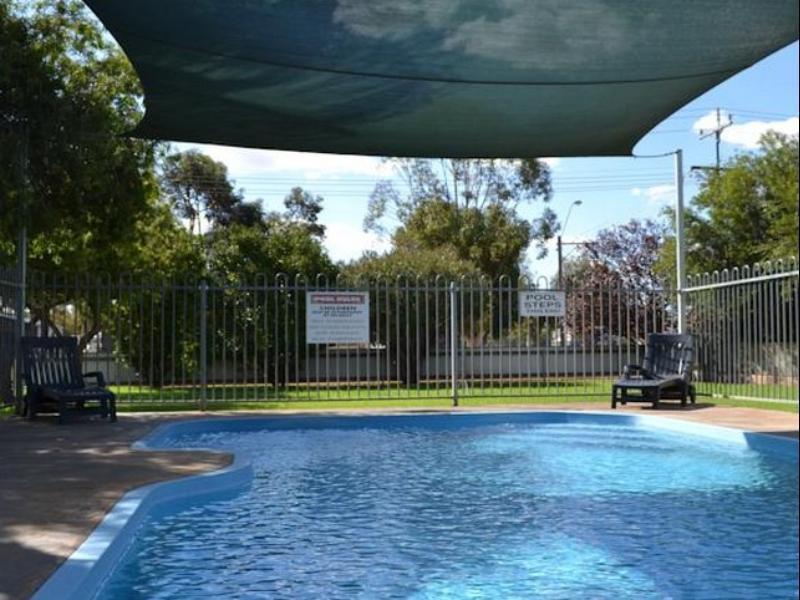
(54, 382)
(666, 373)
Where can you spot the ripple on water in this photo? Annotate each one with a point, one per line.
(516, 511)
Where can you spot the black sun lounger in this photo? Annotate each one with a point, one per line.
(54, 381)
(665, 375)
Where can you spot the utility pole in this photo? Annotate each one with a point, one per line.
(561, 244)
(717, 133)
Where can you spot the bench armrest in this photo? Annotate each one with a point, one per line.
(98, 377)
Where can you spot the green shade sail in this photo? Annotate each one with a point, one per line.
(434, 78)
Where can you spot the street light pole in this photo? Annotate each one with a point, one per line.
(560, 265)
(680, 241)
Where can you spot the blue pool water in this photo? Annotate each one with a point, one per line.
(485, 511)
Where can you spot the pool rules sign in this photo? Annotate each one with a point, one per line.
(542, 303)
(337, 318)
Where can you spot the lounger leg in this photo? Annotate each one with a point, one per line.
(30, 408)
(62, 412)
(113, 414)
(656, 397)
(692, 394)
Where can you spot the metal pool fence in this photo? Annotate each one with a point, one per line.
(199, 342)
(745, 322)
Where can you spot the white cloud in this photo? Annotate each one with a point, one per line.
(748, 134)
(347, 241)
(309, 165)
(656, 194)
(745, 134)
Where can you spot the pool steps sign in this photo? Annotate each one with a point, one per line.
(339, 317)
(542, 303)
(84, 572)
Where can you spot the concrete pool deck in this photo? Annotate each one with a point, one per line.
(59, 481)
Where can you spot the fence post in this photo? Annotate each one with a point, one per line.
(453, 343)
(22, 264)
(19, 326)
(203, 344)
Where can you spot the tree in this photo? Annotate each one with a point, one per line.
(469, 205)
(304, 208)
(198, 188)
(614, 286)
(65, 169)
(411, 301)
(252, 271)
(86, 193)
(493, 239)
(745, 213)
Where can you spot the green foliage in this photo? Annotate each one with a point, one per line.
(65, 170)
(467, 205)
(198, 188)
(239, 254)
(423, 264)
(303, 207)
(744, 214)
(404, 319)
(493, 239)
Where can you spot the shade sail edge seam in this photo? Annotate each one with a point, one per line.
(345, 72)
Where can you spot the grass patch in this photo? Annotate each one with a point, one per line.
(431, 396)
(790, 407)
(386, 395)
(421, 403)
(749, 391)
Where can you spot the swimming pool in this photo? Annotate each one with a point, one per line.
(516, 505)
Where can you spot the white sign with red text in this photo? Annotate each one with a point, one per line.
(542, 303)
(337, 318)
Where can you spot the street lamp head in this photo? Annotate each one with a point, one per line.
(569, 212)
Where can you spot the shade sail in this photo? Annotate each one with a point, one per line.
(448, 78)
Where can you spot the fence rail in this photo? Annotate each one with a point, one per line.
(201, 342)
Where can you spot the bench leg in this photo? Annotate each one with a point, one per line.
(112, 418)
(656, 398)
(614, 396)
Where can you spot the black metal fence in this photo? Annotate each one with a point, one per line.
(204, 343)
(9, 290)
(746, 325)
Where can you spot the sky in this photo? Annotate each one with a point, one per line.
(612, 191)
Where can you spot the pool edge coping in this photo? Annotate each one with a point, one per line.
(81, 575)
